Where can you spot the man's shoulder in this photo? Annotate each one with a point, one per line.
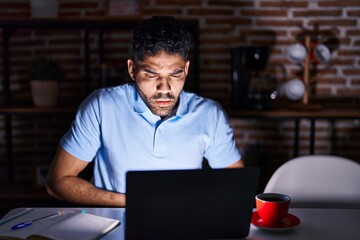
(113, 92)
(107, 96)
(196, 102)
(118, 89)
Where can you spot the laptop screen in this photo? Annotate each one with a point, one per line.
(190, 204)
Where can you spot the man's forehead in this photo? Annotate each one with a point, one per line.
(174, 61)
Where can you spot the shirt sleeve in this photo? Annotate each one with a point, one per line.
(223, 151)
(82, 140)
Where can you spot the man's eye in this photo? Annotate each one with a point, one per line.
(151, 76)
(176, 75)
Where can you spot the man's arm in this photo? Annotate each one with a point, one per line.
(238, 164)
(63, 183)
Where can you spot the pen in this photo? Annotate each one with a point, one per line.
(12, 217)
(26, 224)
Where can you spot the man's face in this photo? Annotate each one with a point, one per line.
(159, 80)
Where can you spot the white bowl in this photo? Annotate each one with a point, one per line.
(296, 53)
(294, 89)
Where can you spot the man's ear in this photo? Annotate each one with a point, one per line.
(187, 64)
(131, 68)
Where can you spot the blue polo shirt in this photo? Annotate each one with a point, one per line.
(114, 128)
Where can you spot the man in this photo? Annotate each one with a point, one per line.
(150, 124)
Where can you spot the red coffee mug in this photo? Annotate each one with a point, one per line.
(272, 207)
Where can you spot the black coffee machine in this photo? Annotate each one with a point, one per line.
(246, 63)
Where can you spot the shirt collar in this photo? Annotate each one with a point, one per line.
(183, 107)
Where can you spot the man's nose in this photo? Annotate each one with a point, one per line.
(164, 85)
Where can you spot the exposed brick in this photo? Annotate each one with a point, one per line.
(284, 4)
(178, 2)
(331, 80)
(333, 22)
(218, 40)
(69, 41)
(161, 11)
(58, 52)
(355, 82)
(343, 62)
(354, 52)
(230, 21)
(343, 41)
(78, 5)
(93, 14)
(210, 11)
(328, 71)
(351, 71)
(231, 3)
(216, 30)
(317, 13)
(56, 33)
(263, 13)
(348, 92)
(278, 23)
(343, 3)
(353, 13)
(357, 43)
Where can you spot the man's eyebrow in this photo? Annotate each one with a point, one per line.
(149, 71)
(177, 71)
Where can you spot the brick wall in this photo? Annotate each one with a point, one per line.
(223, 24)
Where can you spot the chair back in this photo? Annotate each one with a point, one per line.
(318, 181)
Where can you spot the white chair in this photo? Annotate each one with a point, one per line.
(318, 181)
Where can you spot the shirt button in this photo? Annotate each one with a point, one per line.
(159, 131)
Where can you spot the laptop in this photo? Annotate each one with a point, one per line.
(190, 204)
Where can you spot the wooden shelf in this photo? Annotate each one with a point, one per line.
(319, 108)
(36, 110)
(328, 113)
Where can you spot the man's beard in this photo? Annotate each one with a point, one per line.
(153, 106)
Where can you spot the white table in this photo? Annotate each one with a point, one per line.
(315, 224)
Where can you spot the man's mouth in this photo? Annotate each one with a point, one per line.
(163, 102)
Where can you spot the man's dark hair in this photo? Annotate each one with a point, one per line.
(160, 33)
